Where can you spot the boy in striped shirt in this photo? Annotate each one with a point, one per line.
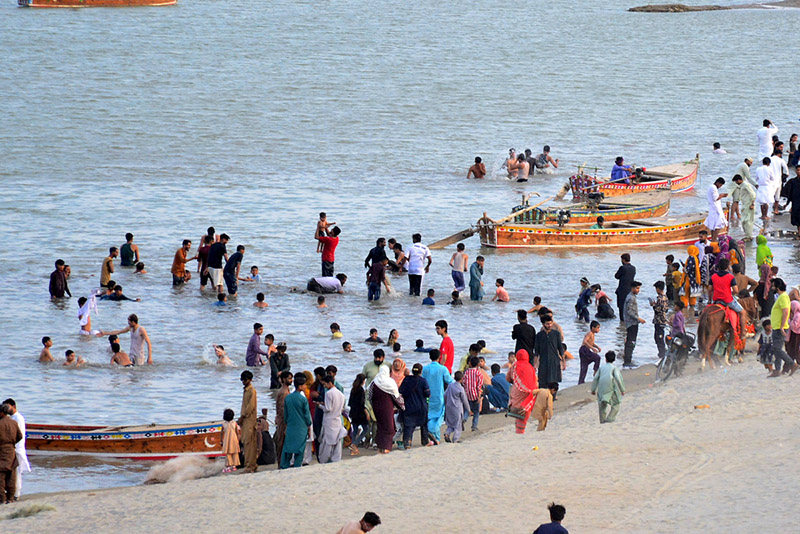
(473, 386)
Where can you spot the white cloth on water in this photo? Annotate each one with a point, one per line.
(88, 307)
(716, 217)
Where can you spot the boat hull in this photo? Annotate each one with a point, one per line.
(647, 205)
(678, 177)
(519, 236)
(155, 442)
(95, 3)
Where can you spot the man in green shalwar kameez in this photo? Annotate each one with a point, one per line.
(297, 415)
(609, 388)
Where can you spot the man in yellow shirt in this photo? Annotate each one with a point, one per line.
(779, 317)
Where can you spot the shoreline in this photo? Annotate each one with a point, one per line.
(683, 8)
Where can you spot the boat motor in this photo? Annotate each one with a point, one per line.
(593, 200)
(563, 217)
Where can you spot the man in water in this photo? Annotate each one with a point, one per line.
(45, 356)
(120, 358)
(254, 352)
(376, 253)
(716, 220)
(231, 271)
(523, 168)
(764, 135)
(329, 243)
(216, 253)
(625, 274)
(621, 172)
(108, 266)
(419, 263)
(179, 272)
(478, 170)
(119, 296)
(58, 282)
(327, 284)
(544, 162)
(510, 163)
(129, 253)
(247, 422)
(138, 338)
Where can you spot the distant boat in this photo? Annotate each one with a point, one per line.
(95, 3)
(672, 230)
(678, 177)
(145, 442)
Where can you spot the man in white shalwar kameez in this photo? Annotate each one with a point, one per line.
(764, 135)
(609, 388)
(779, 170)
(716, 220)
(765, 195)
(22, 455)
(330, 444)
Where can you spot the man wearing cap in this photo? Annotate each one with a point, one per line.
(743, 170)
(660, 306)
(632, 322)
(744, 198)
(584, 300)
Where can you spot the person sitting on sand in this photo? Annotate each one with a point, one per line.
(259, 303)
(498, 391)
(45, 356)
(72, 359)
(119, 357)
(222, 357)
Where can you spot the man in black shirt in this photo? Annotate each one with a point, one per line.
(215, 255)
(377, 254)
(524, 334)
(625, 274)
(231, 271)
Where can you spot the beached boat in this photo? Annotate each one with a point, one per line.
(95, 3)
(654, 203)
(671, 230)
(678, 177)
(146, 442)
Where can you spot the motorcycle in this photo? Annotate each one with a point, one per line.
(674, 360)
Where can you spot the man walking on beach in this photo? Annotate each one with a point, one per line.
(625, 274)
(609, 388)
(10, 435)
(285, 379)
(437, 377)
(632, 322)
(329, 243)
(58, 282)
(22, 455)
(419, 263)
(744, 198)
(297, 415)
(333, 432)
(248, 419)
(446, 348)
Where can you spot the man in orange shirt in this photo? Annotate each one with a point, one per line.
(179, 272)
(447, 349)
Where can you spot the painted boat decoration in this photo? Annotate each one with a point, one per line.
(654, 203)
(95, 3)
(678, 177)
(671, 230)
(145, 442)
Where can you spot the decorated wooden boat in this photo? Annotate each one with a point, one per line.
(678, 177)
(670, 230)
(147, 442)
(95, 3)
(654, 203)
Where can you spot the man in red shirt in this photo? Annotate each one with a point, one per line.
(723, 285)
(447, 350)
(329, 243)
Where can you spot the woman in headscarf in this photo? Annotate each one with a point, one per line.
(522, 377)
(415, 392)
(765, 295)
(763, 253)
(724, 248)
(385, 396)
(793, 347)
(692, 280)
(399, 371)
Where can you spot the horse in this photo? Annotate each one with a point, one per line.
(712, 325)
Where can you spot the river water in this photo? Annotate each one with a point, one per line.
(254, 116)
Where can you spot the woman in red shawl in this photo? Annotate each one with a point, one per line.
(522, 377)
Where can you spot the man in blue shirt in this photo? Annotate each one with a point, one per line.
(500, 388)
(437, 377)
(620, 171)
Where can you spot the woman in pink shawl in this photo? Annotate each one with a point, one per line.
(399, 371)
(522, 377)
(793, 346)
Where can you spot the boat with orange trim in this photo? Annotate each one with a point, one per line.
(678, 177)
(95, 3)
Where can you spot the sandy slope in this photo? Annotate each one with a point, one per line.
(662, 467)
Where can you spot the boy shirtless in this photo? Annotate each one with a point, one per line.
(119, 357)
(322, 229)
(589, 352)
(222, 358)
(45, 356)
(478, 170)
(72, 359)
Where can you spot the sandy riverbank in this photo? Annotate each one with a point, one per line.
(662, 467)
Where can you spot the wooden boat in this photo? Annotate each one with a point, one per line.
(654, 203)
(95, 3)
(671, 230)
(678, 177)
(146, 442)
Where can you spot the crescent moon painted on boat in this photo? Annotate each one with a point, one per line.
(209, 445)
